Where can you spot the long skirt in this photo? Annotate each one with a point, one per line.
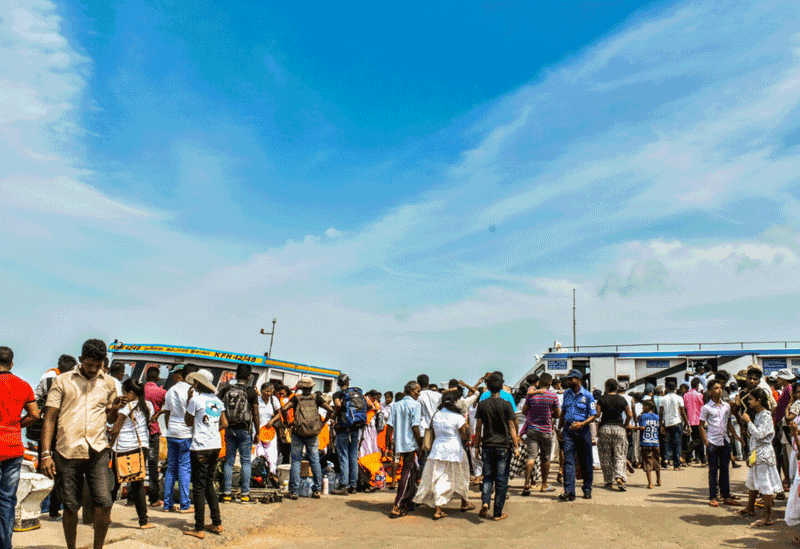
(612, 445)
(792, 515)
(764, 478)
(442, 480)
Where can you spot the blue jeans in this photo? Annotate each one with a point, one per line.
(719, 459)
(495, 476)
(179, 468)
(9, 480)
(347, 450)
(673, 444)
(578, 445)
(241, 440)
(311, 446)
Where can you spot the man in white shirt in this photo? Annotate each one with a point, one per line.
(429, 401)
(673, 418)
(715, 426)
(179, 440)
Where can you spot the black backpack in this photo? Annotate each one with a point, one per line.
(34, 431)
(237, 409)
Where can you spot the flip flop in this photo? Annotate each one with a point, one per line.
(399, 514)
(439, 517)
(713, 503)
(484, 513)
(199, 534)
(761, 522)
(548, 489)
(746, 513)
(470, 508)
(731, 502)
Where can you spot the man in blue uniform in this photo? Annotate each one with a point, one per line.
(578, 412)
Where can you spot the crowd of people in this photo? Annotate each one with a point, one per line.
(98, 435)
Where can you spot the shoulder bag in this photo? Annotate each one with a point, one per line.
(430, 436)
(131, 466)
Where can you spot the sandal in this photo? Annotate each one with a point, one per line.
(440, 516)
(526, 491)
(470, 507)
(713, 503)
(732, 502)
(746, 513)
(762, 522)
(214, 529)
(199, 534)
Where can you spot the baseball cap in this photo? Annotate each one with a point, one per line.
(574, 373)
(177, 368)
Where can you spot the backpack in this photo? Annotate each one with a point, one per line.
(34, 431)
(237, 409)
(307, 422)
(380, 421)
(354, 411)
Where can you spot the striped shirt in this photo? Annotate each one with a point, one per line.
(540, 412)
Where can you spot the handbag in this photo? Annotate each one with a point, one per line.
(430, 436)
(131, 466)
(751, 459)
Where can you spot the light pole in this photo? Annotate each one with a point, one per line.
(271, 337)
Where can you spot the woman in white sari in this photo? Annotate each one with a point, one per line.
(446, 472)
(267, 441)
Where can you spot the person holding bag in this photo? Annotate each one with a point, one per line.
(130, 444)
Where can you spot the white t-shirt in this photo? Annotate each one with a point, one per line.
(447, 444)
(206, 409)
(127, 441)
(267, 411)
(629, 399)
(175, 404)
(672, 404)
(429, 400)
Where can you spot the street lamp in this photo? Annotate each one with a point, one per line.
(271, 335)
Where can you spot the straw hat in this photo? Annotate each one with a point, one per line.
(204, 378)
(305, 383)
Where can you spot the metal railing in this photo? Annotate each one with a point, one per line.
(658, 346)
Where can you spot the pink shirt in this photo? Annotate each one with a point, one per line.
(155, 396)
(693, 402)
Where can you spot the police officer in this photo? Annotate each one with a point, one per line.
(573, 429)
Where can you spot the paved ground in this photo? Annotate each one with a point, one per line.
(674, 515)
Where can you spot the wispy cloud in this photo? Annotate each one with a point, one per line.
(624, 172)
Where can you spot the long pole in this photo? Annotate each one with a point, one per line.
(272, 337)
(574, 323)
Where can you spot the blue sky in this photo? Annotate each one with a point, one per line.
(406, 190)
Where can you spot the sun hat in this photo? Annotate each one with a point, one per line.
(204, 378)
(305, 383)
(741, 375)
(773, 376)
(785, 374)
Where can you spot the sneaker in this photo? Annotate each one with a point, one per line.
(246, 499)
(227, 498)
(351, 490)
(566, 497)
(339, 492)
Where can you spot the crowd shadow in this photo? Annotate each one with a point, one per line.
(453, 512)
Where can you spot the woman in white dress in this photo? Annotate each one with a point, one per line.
(792, 515)
(267, 442)
(129, 434)
(763, 476)
(446, 472)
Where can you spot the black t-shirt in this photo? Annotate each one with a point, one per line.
(495, 413)
(611, 409)
(338, 395)
(252, 400)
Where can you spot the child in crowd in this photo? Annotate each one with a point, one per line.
(648, 424)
